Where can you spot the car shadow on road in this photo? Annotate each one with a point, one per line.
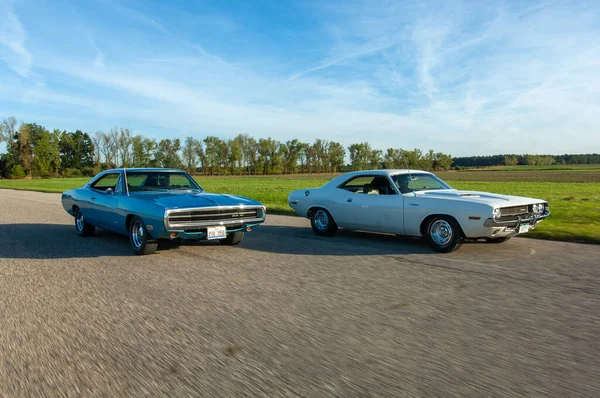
(302, 240)
(55, 241)
(50, 241)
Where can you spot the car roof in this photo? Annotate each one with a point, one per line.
(145, 169)
(382, 172)
(389, 172)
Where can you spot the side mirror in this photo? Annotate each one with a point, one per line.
(109, 191)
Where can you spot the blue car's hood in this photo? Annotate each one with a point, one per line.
(184, 199)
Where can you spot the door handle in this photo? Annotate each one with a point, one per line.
(92, 198)
(349, 199)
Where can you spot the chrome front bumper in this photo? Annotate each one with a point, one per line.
(200, 234)
(515, 223)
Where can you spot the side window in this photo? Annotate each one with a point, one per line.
(357, 184)
(106, 181)
(370, 185)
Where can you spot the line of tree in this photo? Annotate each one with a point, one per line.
(525, 160)
(34, 151)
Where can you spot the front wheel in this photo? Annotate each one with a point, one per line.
(444, 234)
(322, 223)
(140, 241)
(83, 228)
(233, 238)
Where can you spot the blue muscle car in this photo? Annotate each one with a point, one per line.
(154, 204)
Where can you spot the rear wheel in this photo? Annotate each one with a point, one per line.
(141, 242)
(322, 223)
(444, 234)
(233, 238)
(497, 240)
(83, 228)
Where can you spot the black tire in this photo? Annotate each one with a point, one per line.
(323, 223)
(141, 243)
(497, 240)
(83, 228)
(233, 238)
(443, 234)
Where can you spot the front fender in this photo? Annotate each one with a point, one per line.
(151, 214)
(470, 224)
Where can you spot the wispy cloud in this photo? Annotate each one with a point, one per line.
(100, 56)
(141, 17)
(459, 77)
(369, 49)
(12, 38)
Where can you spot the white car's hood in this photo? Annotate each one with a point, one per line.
(479, 197)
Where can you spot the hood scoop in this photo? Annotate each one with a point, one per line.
(470, 195)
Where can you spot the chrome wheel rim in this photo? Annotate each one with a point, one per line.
(321, 220)
(79, 220)
(441, 232)
(137, 234)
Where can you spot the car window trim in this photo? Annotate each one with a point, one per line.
(433, 176)
(387, 177)
(94, 182)
(194, 185)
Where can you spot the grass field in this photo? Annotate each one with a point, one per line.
(574, 197)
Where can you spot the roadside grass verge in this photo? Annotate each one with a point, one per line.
(575, 206)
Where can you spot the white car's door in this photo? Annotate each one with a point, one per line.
(373, 206)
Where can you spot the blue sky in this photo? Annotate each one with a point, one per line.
(462, 77)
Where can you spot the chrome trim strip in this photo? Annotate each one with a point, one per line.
(208, 208)
(216, 223)
(490, 222)
(209, 223)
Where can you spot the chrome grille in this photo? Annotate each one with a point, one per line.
(201, 216)
(515, 210)
(515, 218)
(213, 216)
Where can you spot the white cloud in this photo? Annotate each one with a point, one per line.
(451, 77)
(12, 38)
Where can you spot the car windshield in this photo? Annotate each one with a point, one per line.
(418, 182)
(138, 181)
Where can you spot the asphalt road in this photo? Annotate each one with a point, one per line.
(287, 313)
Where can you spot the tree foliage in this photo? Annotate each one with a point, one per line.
(525, 160)
(34, 151)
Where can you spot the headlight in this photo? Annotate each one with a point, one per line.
(496, 213)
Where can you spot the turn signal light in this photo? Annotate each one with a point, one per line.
(249, 229)
(173, 235)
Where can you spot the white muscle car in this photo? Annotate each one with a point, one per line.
(415, 203)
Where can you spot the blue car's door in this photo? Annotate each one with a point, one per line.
(106, 210)
(103, 205)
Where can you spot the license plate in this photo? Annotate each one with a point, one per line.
(216, 232)
(523, 228)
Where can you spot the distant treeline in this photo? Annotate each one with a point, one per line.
(525, 160)
(34, 151)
